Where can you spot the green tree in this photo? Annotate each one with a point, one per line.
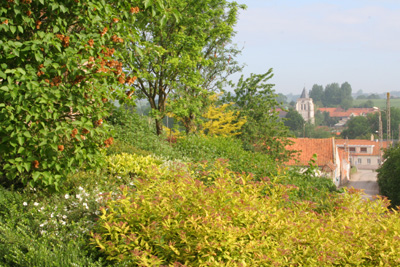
(357, 128)
(373, 120)
(294, 121)
(346, 100)
(332, 94)
(389, 175)
(60, 65)
(256, 100)
(317, 93)
(176, 49)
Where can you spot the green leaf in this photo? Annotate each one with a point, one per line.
(13, 29)
(22, 71)
(35, 176)
(21, 30)
(21, 140)
(19, 167)
(163, 20)
(147, 3)
(27, 166)
(27, 134)
(63, 9)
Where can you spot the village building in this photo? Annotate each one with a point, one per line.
(331, 161)
(345, 115)
(305, 107)
(363, 154)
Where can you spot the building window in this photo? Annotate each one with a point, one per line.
(368, 161)
(359, 161)
(352, 149)
(363, 149)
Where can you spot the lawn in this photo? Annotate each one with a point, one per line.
(380, 103)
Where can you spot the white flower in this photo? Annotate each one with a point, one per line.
(78, 196)
(42, 225)
(86, 206)
(64, 217)
(81, 188)
(25, 204)
(51, 215)
(62, 222)
(36, 204)
(66, 196)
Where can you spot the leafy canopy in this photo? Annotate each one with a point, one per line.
(60, 68)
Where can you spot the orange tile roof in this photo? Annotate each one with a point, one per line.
(339, 112)
(310, 146)
(361, 142)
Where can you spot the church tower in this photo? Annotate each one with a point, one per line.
(305, 107)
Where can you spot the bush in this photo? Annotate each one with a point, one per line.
(199, 148)
(389, 175)
(35, 231)
(136, 134)
(58, 65)
(236, 221)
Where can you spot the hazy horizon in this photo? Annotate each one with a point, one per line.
(310, 42)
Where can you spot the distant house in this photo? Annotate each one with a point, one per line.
(364, 154)
(344, 115)
(330, 161)
(351, 112)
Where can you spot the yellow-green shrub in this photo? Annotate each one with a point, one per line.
(133, 165)
(235, 221)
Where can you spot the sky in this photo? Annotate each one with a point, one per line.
(309, 42)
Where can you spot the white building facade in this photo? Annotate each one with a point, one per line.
(305, 107)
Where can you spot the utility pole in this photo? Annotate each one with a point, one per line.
(380, 137)
(388, 119)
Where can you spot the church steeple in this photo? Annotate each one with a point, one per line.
(305, 106)
(304, 94)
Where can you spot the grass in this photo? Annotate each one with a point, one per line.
(380, 103)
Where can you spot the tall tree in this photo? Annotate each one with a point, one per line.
(177, 50)
(346, 100)
(332, 95)
(294, 121)
(60, 64)
(256, 100)
(317, 94)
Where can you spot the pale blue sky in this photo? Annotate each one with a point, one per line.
(310, 42)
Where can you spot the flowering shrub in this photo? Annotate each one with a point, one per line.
(235, 221)
(60, 65)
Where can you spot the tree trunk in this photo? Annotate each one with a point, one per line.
(159, 126)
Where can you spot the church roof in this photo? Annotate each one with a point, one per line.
(304, 94)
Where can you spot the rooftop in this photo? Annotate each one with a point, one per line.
(310, 146)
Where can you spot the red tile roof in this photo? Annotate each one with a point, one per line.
(308, 147)
(339, 112)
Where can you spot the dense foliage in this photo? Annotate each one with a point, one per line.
(389, 175)
(222, 218)
(60, 65)
(256, 100)
(178, 46)
(333, 95)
